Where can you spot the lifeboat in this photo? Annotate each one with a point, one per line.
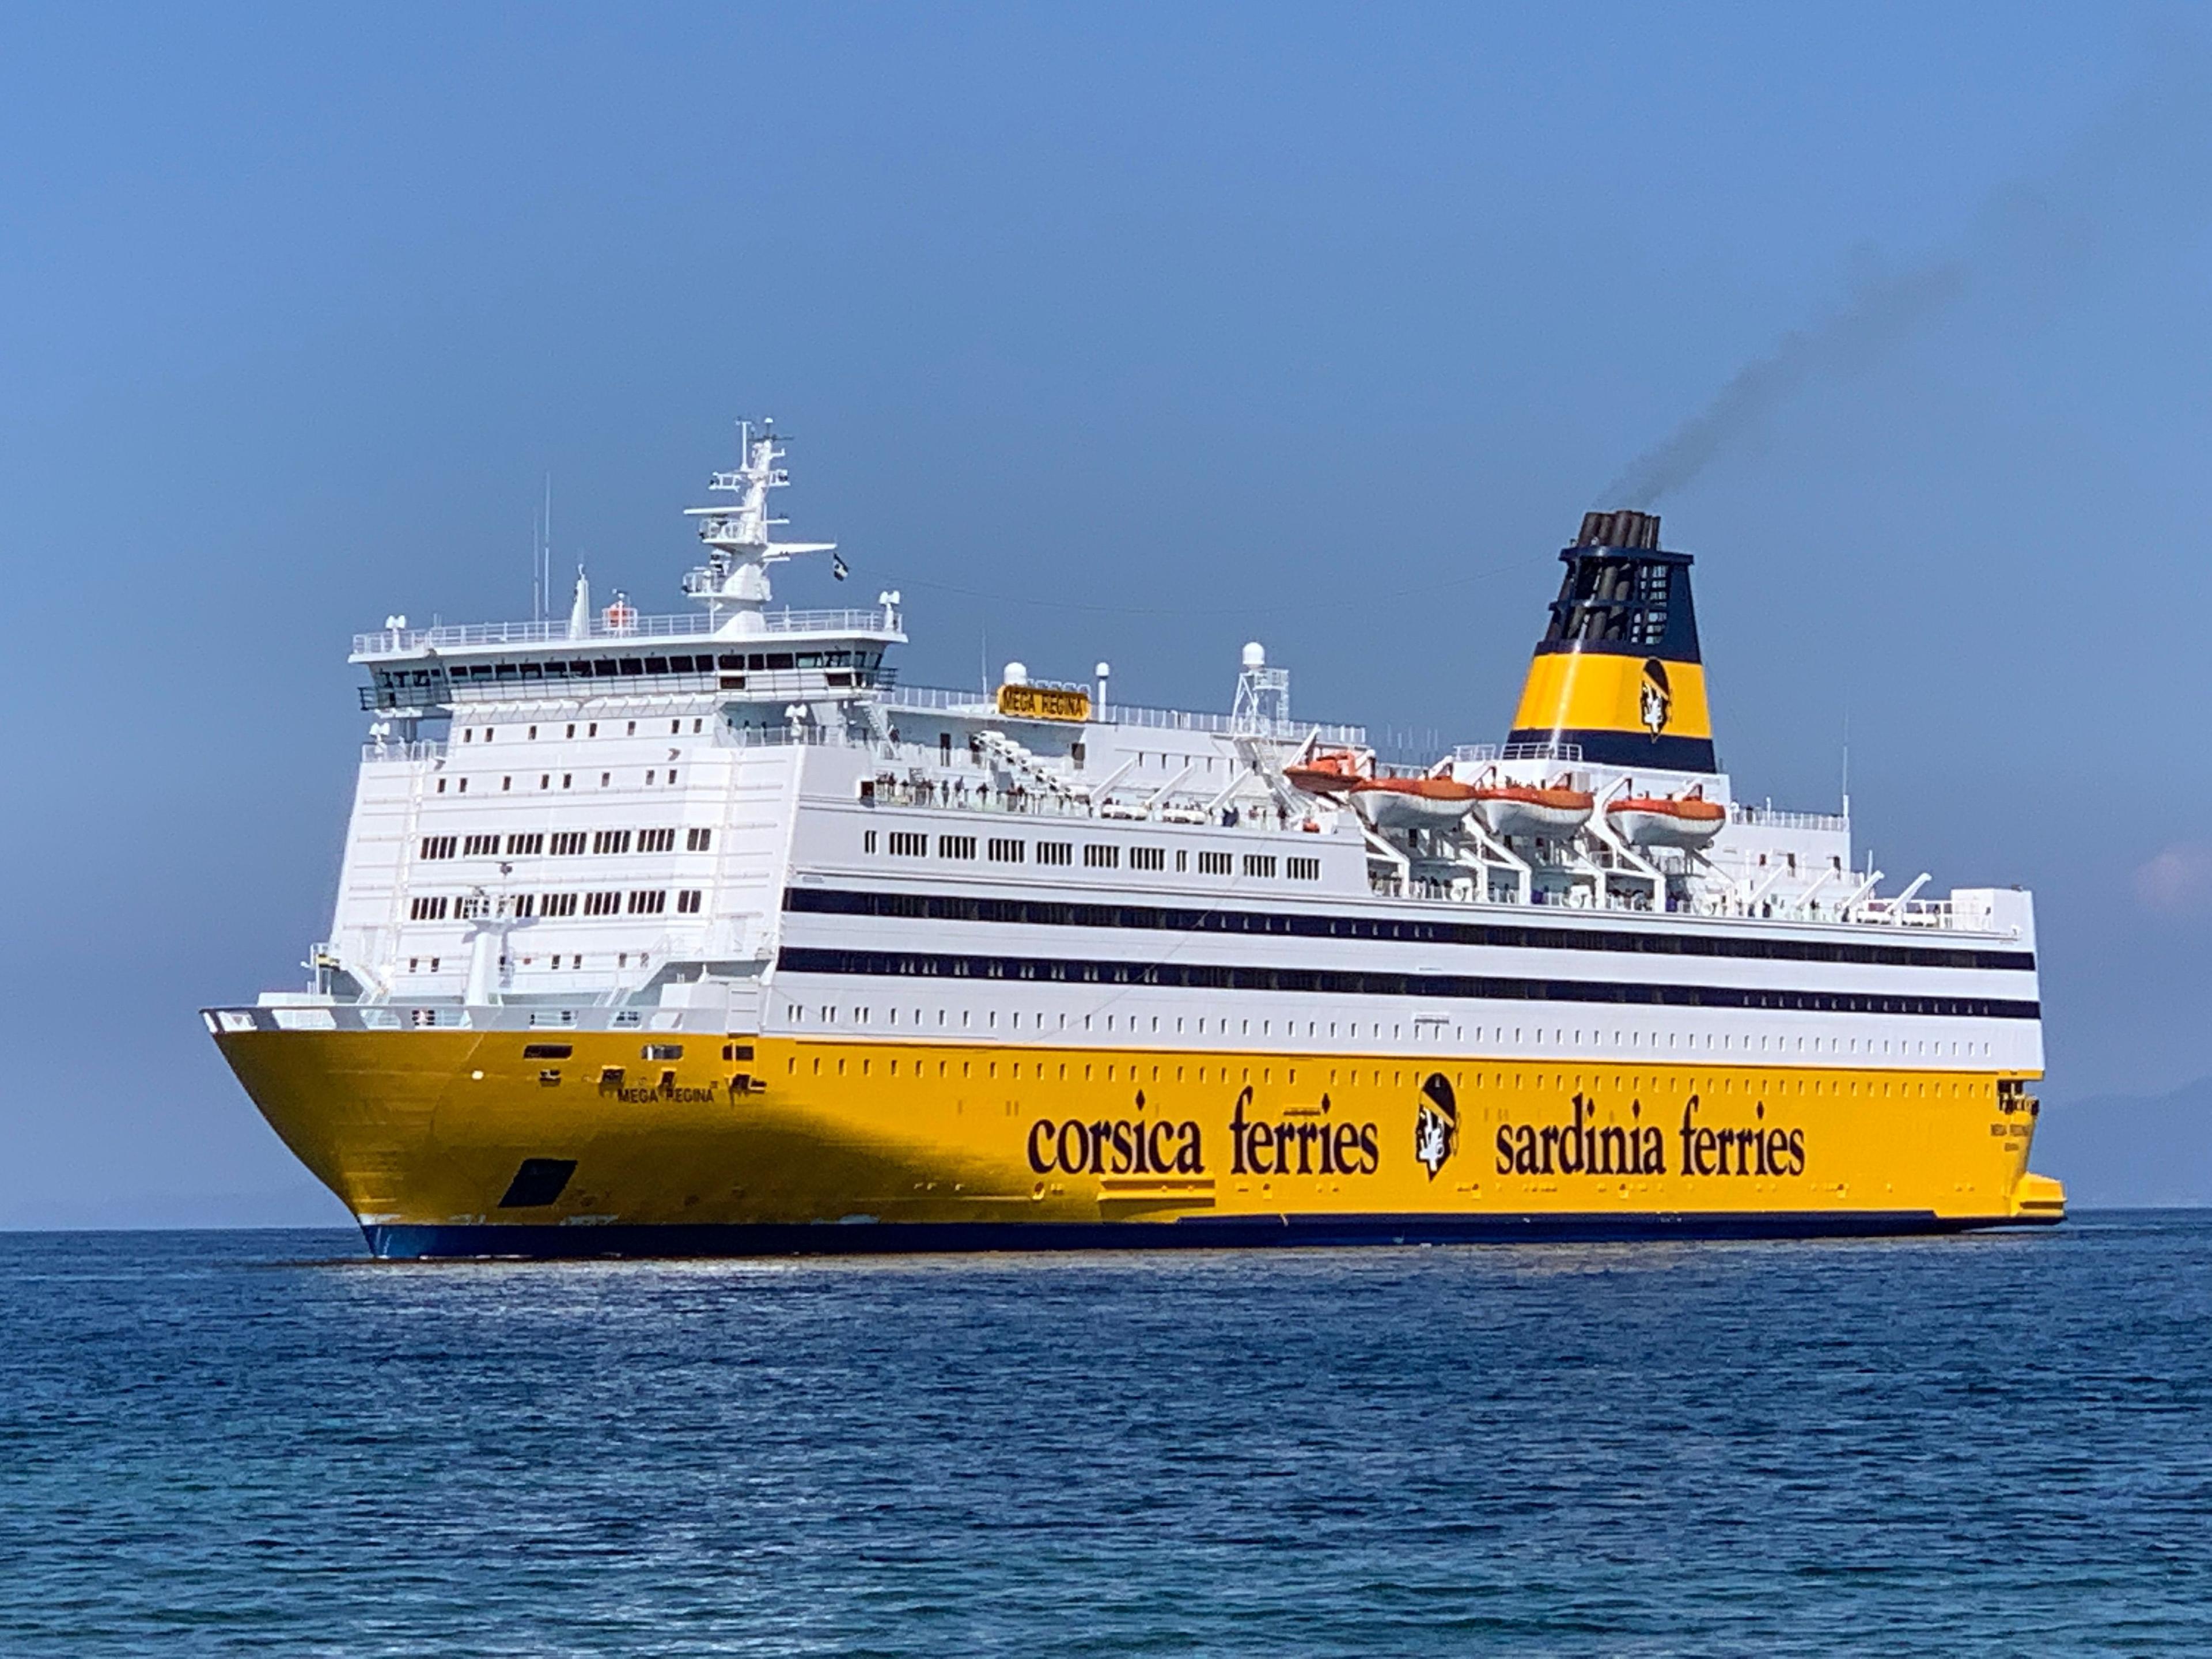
(1688, 820)
(1412, 803)
(1517, 809)
(1325, 772)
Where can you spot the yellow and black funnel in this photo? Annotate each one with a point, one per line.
(1618, 671)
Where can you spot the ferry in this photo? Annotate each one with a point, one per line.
(706, 934)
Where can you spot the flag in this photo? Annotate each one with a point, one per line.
(837, 567)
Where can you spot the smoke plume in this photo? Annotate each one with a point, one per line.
(1875, 318)
(2137, 179)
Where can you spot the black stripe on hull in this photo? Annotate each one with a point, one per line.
(1128, 915)
(413, 1243)
(1327, 982)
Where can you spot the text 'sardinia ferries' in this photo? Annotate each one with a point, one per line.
(699, 934)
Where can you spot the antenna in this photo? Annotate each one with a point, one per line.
(1847, 760)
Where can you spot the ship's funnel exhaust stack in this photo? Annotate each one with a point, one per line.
(1631, 531)
(1618, 671)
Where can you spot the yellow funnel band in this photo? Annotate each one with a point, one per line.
(1601, 691)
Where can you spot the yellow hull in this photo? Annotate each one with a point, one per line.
(425, 1136)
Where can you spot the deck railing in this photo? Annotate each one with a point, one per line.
(983, 705)
(691, 625)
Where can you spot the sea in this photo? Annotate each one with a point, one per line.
(263, 1442)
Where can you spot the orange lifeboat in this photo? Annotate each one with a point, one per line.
(1326, 772)
(1685, 820)
(1517, 809)
(1412, 803)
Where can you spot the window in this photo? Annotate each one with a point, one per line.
(525, 904)
(906, 844)
(956, 847)
(438, 847)
(566, 844)
(519, 846)
(547, 1050)
(428, 910)
(1055, 852)
(602, 905)
(610, 841)
(1303, 869)
(1214, 864)
(648, 904)
(1101, 857)
(1182, 859)
(557, 904)
(663, 1051)
(1004, 850)
(1148, 857)
(687, 901)
(868, 840)
(1259, 864)
(656, 840)
(480, 847)
(698, 841)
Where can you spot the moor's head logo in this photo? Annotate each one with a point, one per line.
(1656, 699)
(1436, 1126)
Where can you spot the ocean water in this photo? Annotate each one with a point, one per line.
(250, 1442)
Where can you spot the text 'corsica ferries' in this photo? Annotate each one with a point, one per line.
(699, 934)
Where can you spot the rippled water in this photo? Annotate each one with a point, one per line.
(245, 1441)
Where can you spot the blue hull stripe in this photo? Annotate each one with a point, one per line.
(419, 1242)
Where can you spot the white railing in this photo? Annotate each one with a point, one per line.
(418, 750)
(936, 698)
(1771, 818)
(693, 625)
(925, 698)
(1571, 753)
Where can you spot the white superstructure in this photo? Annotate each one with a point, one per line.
(735, 819)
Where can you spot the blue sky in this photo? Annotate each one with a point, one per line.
(1163, 328)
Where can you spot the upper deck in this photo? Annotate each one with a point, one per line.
(566, 811)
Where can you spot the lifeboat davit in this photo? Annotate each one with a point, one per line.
(1412, 803)
(1687, 820)
(1326, 772)
(1518, 809)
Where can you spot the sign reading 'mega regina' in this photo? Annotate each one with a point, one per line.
(1043, 703)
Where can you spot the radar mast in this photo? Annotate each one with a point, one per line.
(733, 583)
